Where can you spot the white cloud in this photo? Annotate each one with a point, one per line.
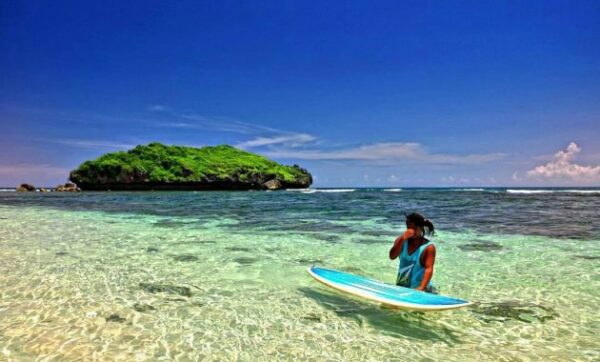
(563, 169)
(393, 178)
(390, 152)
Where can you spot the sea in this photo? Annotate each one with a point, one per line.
(222, 276)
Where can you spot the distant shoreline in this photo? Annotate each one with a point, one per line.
(510, 189)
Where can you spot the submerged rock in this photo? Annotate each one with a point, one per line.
(115, 318)
(237, 248)
(26, 188)
(152, 250)
(61, 253)
(166, 288)
(142, 307)
(312, 317)
(481, 245)
(308, 261)
(514, 310)
(587, 257)
(185, 257)
(245, 261)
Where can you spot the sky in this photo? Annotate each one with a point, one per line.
(361, 93)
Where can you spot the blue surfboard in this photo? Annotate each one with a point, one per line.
(387, 294)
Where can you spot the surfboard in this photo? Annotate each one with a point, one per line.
(391, 295)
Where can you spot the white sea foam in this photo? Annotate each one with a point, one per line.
(7, 190)
(335, 190)
(547, 191)
(469, 190)
(392, 190)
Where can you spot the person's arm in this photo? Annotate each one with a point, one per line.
(397, 247)
(428, 259)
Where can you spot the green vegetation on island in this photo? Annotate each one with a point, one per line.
(160, 167)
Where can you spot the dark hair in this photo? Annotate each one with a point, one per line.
(420, 221)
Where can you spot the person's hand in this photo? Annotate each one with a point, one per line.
(420, 289)
(409, 233)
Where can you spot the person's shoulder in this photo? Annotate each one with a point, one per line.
(430, 246)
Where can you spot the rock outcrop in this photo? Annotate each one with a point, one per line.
(26, 188)
(67, 187)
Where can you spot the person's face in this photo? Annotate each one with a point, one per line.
(411, 225)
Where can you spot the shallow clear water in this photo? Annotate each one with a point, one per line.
(222, 275)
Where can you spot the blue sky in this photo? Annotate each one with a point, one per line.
(373, 93)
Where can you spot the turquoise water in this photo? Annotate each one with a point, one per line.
(222, 276)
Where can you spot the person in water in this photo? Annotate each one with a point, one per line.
(417, 254)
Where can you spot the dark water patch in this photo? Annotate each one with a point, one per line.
(513, 310)
(587, 257)
(238, 248)
(330, 238)
(171, 224)
(185, 257)
(481, 245)
(166, 288)
(486, 212)
(309, 227)
(371, 241)
(142, 307)
(202, 242)
(353, 270)
(115, 318)
(61, 253)
(246, 260)
(152, 250)
(380, 234)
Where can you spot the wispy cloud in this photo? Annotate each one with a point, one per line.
(387, 152)
(563, 168)
(263, 136)
(95, 144)
(222, 124)
(289, 140)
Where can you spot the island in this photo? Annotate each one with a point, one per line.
(161, 167)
